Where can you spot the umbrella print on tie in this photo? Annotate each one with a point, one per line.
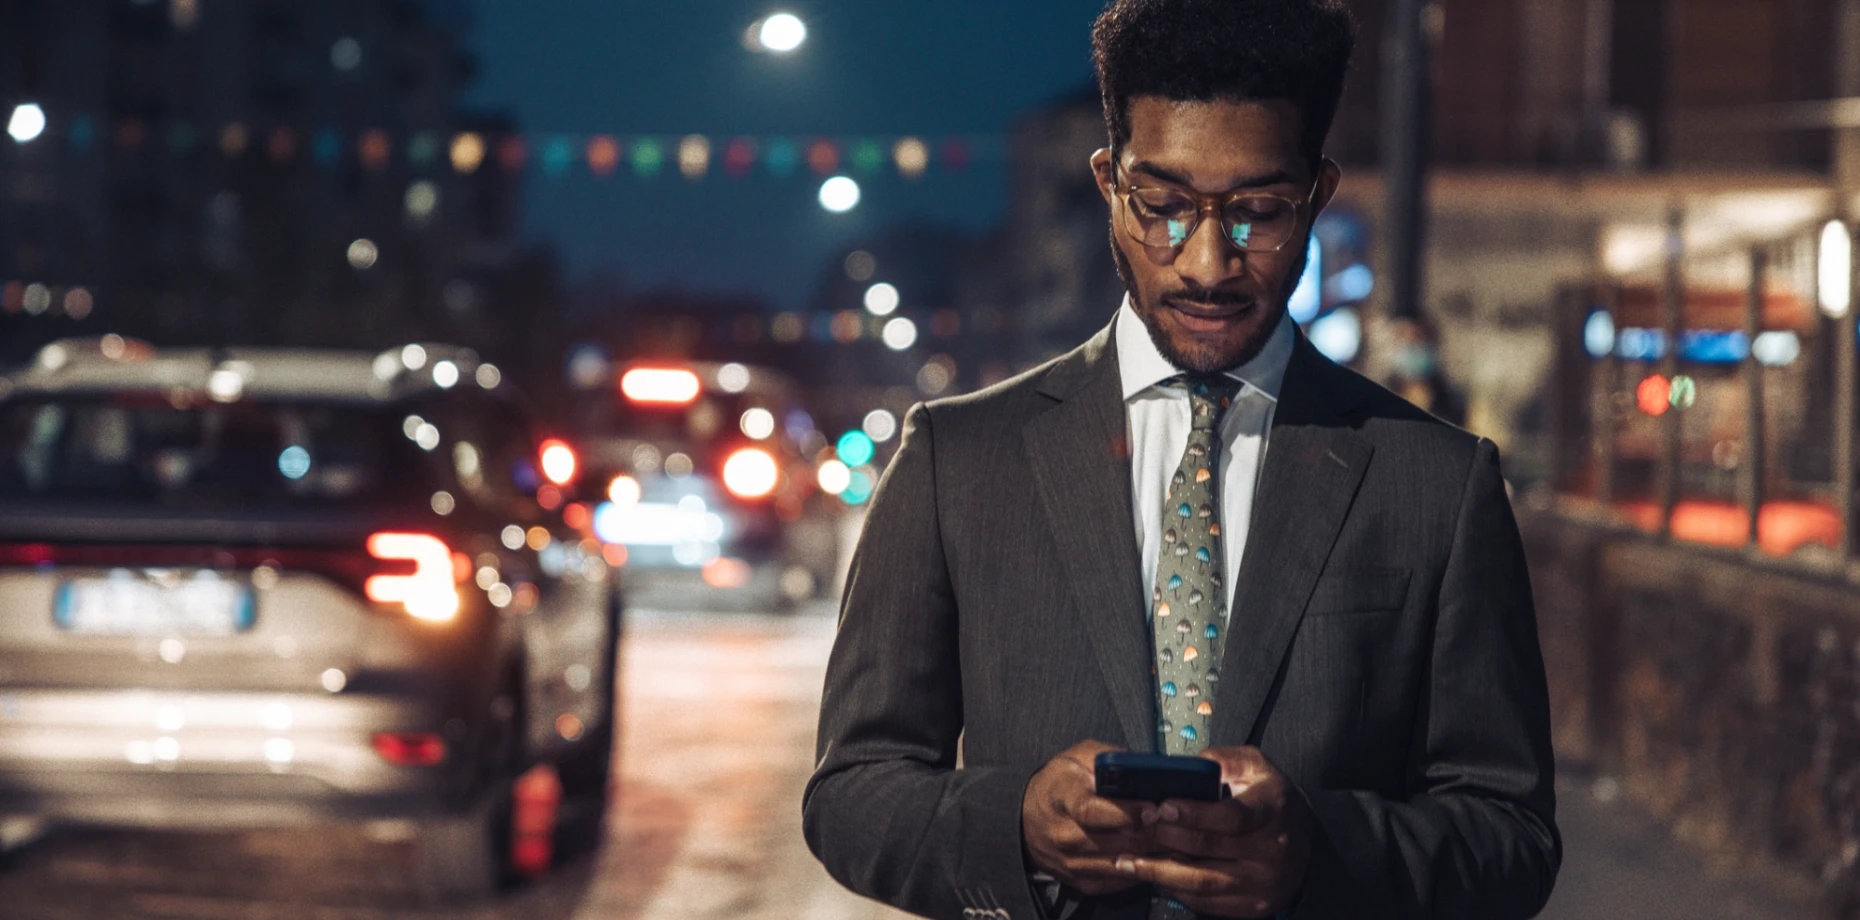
(1175, 583)
(1169, 537)
(1190, 654)
(1162, 611)
(1195, 597)
(1166, 656)
(1202, 475)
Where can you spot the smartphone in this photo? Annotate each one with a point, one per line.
(1155, 777)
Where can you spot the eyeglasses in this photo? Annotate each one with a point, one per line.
(1166, 217)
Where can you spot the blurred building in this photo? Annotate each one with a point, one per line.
(254, 171)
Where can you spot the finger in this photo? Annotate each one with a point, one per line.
(1178, 876)
(1264, 848)
(1241, 767)
(1096, 813)
(1232, 818)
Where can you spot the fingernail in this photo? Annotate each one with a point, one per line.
(1126, 864)
(1170, 813)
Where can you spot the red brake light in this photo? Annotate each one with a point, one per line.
(751, 473)
(428, 592)
(660, 385)
(410, 749)
(558, 461)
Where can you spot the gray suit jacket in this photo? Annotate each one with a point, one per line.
(1383, 649)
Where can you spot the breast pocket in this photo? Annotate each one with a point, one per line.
(1359, 591)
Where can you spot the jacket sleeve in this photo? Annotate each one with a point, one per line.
(1479, 840)
(888, 811)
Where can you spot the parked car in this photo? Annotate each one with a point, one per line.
(260, 587)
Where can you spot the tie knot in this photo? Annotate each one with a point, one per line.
(1209, 396)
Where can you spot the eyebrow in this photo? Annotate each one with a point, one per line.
(1278, 177)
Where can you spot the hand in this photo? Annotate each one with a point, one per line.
(1245, 857)
(1071, 832)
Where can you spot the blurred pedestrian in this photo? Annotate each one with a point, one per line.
(1193, 535)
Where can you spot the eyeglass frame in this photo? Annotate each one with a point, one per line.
(1218, 203)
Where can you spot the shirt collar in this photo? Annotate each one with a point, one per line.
(1141, 366)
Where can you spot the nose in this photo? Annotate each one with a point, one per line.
(1207, 258)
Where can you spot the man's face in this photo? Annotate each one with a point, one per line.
(1208, 305)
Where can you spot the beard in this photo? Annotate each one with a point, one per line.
(1195, 357)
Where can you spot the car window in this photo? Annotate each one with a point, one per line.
(265, 454)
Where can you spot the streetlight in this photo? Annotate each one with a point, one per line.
(27, 123)
(779, 33)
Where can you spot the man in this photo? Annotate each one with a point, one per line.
(1193, 535)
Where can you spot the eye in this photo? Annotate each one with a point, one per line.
(1163, 205)
(1260, 210)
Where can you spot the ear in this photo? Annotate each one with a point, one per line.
(1101, 169)
(1330, 176)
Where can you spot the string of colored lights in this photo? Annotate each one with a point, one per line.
(694, 156)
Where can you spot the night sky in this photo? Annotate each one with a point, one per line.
(877, 67)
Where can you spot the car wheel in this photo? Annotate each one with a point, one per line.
(466, 857)
(587, 777)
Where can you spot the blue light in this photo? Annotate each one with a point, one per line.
(1354, 284)
(1338, 335)
(1308, 298)
(1640, 344)
(1714, 347)
(294, 462)
(859, 489)
(1598, 334)
(1700, 346)
(855, 449)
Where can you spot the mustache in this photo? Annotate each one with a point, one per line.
(1211, 297)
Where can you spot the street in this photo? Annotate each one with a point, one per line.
(718, 738)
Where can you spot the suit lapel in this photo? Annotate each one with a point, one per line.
(1079, 451)
(1314, 464)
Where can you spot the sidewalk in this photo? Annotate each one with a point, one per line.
(1621, 864)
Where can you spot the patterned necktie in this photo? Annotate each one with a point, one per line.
(1188, 603)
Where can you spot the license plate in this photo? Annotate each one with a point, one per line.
(134, 604)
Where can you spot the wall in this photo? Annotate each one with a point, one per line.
(1723, 692)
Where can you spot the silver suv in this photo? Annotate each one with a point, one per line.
(257, 586)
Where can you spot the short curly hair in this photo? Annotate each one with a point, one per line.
(1208, 50)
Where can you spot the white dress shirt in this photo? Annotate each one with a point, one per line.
(1158, 419)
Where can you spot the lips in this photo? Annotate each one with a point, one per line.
(1203, 317)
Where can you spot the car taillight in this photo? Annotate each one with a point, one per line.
(410, 749)
(427, 592)
(558, 461)
(672, 386)
(750, 473)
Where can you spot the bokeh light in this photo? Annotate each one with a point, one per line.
(855, 448)
(860, 266)
(363, 254)
(900, 333)
(912, 156)
(27, 123)
(882, 299)
(859, 487)
(880, 425)
(758, 423)
(1653, 395)
(834, 477)
(839, 194)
